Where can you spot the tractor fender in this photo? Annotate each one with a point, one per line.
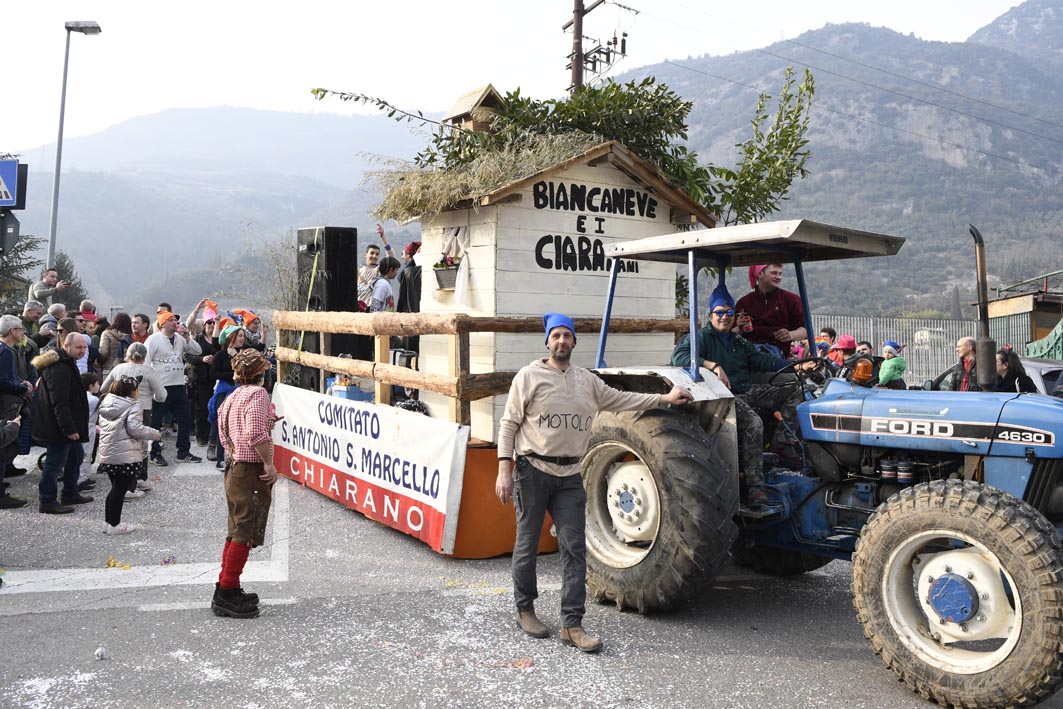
(713, 404)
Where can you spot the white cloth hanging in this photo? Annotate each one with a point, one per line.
(455, 245)
(462, 293)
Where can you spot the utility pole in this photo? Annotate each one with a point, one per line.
(577, 46)
(599, 55)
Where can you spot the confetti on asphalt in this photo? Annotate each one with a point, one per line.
(524, 663)
(481, 589)
(113, 563)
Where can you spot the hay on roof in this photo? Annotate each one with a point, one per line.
(412, 193)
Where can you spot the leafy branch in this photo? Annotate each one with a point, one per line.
(645, 116)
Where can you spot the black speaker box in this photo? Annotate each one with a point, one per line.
(328, 281)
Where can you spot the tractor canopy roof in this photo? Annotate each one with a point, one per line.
(764, 242)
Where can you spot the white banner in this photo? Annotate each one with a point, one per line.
(394, 466)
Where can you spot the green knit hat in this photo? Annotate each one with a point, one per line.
(227, 333)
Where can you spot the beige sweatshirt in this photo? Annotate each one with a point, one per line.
(550, 412)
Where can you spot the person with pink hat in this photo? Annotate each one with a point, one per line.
(777, 316)
(842, 349)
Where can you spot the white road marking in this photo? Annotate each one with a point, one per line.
(93, 579)
(202, 605)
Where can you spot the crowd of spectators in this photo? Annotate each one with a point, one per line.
(67, 372)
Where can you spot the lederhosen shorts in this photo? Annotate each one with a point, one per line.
(249, 499)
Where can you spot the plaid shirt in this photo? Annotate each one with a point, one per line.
(244, 420)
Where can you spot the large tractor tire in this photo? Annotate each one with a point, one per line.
(776, 562)
(660, 509)
(959, 588)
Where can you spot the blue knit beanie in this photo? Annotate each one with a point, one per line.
(552, 320)
(720, 296)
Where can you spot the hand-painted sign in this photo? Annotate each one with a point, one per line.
(583, 252)
(397, 467)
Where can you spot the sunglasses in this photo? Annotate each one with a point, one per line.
(132, 380)
(729, 313)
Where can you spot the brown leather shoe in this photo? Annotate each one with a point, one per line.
(577, 637)
(530, 624)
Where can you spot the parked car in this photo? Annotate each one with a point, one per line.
(1044, 373)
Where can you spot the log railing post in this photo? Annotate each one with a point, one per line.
(382, 355)
(326, 350)
(460, 410)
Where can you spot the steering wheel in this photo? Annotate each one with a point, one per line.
(822, 366)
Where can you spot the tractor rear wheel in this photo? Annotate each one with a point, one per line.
(959, 588)
(776, 562)
(660, 509)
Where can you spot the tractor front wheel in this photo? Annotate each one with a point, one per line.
(660, 509)
(959, 588)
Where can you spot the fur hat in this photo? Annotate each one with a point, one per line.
(248, 364)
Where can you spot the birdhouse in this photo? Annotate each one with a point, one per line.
(461, 113)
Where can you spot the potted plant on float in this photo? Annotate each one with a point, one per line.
(446, 270)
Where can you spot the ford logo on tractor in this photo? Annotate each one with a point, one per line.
(906, 427)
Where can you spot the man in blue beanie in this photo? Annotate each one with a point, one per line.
(733, 358)
(547, 428)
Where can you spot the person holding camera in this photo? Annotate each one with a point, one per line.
(49, 285)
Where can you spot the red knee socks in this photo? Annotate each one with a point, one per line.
(233, 558)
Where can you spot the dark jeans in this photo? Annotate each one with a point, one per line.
(535, 492)
(65, 457)
(220, 454)
(120, 485)
(25, 440)
(177, 404)
(201, 397)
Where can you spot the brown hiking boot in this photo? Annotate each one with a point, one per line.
(530, 624)
(577, 637)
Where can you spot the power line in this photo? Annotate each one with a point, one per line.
(911, 98)
(928, 84)
(875, 86)
(1046, 170)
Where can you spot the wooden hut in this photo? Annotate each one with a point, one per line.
(538, 245)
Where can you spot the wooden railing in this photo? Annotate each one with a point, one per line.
(459, 385)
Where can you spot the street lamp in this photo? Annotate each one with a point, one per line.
(83, 28)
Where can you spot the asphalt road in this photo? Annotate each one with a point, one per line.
(356, 614)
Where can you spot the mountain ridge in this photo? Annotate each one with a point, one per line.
(888, 154)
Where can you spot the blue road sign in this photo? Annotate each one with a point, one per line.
(8, 182)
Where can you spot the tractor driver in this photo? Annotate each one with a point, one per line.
(733, 358)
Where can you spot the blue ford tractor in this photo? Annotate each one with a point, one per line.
(949, 504)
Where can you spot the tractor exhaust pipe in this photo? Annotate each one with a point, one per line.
(985, 348)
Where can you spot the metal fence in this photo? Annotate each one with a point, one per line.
(931, 343)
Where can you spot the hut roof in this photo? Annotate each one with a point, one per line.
(615, 154)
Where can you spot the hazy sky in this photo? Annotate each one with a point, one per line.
(420, 55)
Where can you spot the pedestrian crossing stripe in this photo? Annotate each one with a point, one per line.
(5, 193)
